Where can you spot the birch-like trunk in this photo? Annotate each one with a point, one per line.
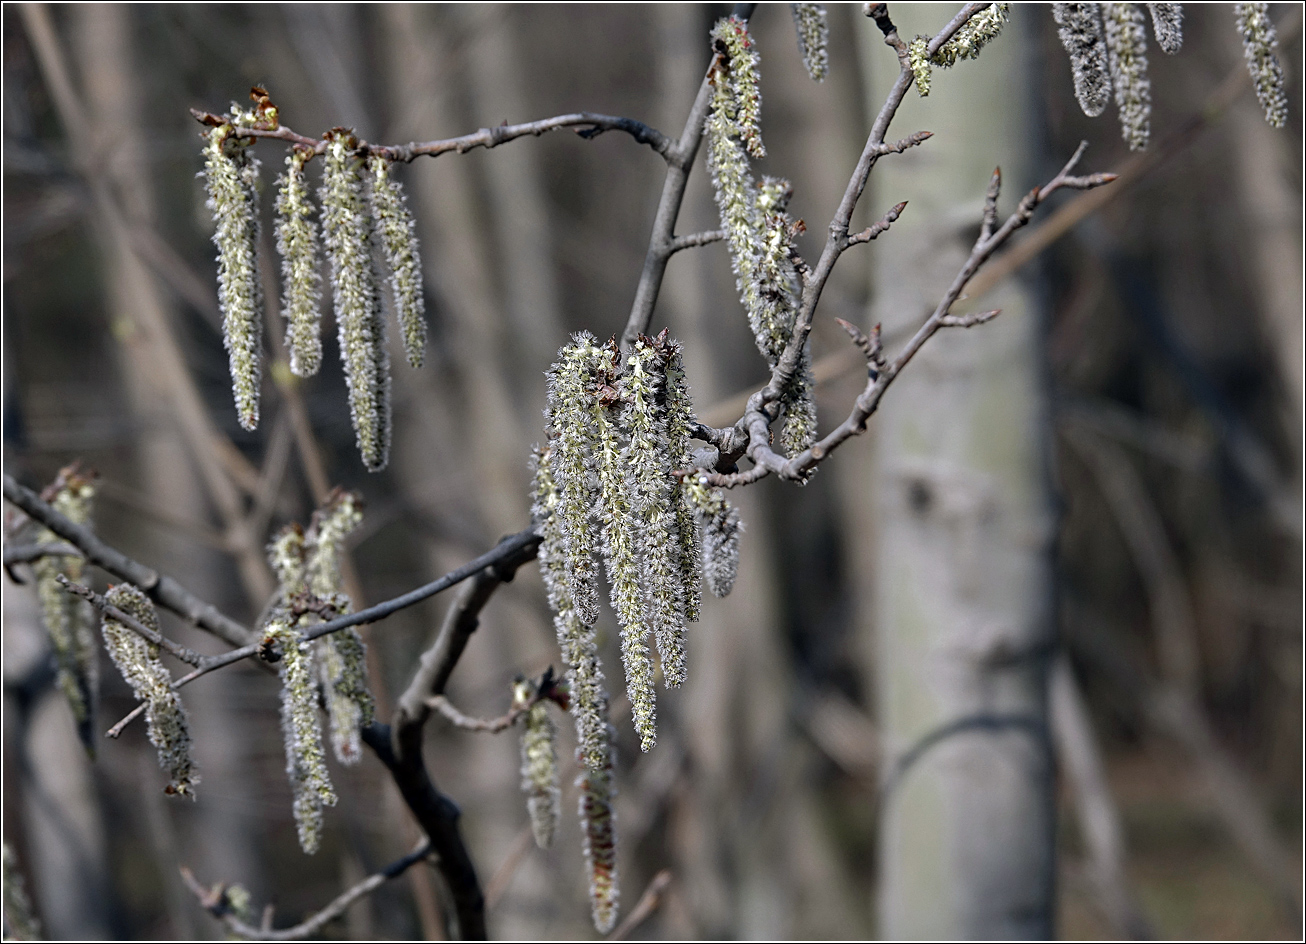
(965, 524)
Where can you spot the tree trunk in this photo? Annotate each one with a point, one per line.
(965, 527)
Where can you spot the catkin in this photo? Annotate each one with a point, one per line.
(138, 661)
(1260, 48)
(398, 234)
(598, 821)
(720, 525)
(297, 242)
(680, 427)
(20, 918)
(347, 230)
(813, 38)
(1080, 29)
(232, 178)
(966, 43)
(1168, 26)
(539, 768)
(67, 617)
(1126, 43)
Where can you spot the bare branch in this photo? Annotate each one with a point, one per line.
(216, 903)
(968, 321)
(26, 553)
(879, 226)
(695, 239)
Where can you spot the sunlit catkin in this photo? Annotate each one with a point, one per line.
(1080, 28)
(576, 640)
(598, 821)
(573, 417)
(297, 242)
(67, 617)
(740, 81)
(394, 225)
(813, 38)
(539, 767)
(1168, 26)
(648, 461)
(1126, 43)
(1260, 48)
(966, 43)
(302, 731)
(231, 173)
(138, 661)
(347, 230)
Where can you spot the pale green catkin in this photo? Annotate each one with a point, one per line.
(572, 409)
(1126, 43)
(1080, 29)
(394, 225)
(576, 640)
(232, 179)
(720, 525)
(650, 485)
(539, 767)
(302, 730)
(813, 38)
(622, 544)
(966, 43)
(740, 81)
(347, 230)
(598, 821)
(138, 661)
(297, 242)
(67, 617)
(1260, 48)
(680, 428)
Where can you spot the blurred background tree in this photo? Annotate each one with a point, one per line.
(1163, 333)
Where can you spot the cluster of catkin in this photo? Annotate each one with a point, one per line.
(362, 205)
(330, 670)
(67, 618)
(755, 218)
(618, 428)
(1107, 46)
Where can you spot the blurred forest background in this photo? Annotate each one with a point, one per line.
(1171, 326)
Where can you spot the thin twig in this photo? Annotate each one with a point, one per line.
(103, 606)
(695, 239)
(648, 903)
(216, 903)
(879, 226)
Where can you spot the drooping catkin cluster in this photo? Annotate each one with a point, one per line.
(813, 38)
(966, 43)
(1126, 43)
(1260, 47)
(138, 661)
(394, 224)
(539, 765)
(347, 227)
(617, 432)
(1081, 35)
(67, 617)
(231, 172)
(759, 231)
(360, 200)
(297, 242)
(1168, 26)
(332, 668)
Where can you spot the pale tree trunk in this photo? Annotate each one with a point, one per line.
(965, 525)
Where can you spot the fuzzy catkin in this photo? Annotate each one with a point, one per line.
(650, 485)
(680, 428)
(67, 617)
(721, 527)
(398, 234)
(740, 81)
(539, 771)
(138, 661)
(297, 242)
(20, 919)
(1168, 26)
(966, 43)
(347, 230)
(813, 38)
(598, 821)
(1126, 43)
(1080, 30)
(576, 640)
(571, 418)
(232, 176)
(302, 731)
(1260, 48)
